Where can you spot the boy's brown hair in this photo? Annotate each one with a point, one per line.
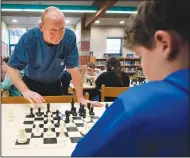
(154, 15)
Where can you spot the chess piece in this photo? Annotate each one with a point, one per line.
(67, 114)
(31, 113)
(71, 124)
(72, 106)
(84, 113)
(57, 115)
(10, 115)
(85, 129)
(107, 105)
(92, 111)
(49, 132)
(37, 132)
(80, 109)
(22, 138)
(89, 105)
(39, 113)
(58, 122)
(48, 108)
(74, 112)
(62, 136)
(87, 118)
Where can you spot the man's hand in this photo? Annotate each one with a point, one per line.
(93, 103)
(33, 96)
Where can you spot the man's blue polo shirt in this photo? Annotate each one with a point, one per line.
(41, 62)
(149, 120)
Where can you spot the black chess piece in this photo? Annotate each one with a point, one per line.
(89, 106)
(57, 115)
(74, 112)
(48, 108)
(80, 109)
(67, 114)
(39, 113)
(58, 122)
(72, 105)
(92, 111)
(84, 113)
(107, 105)
(31, 113)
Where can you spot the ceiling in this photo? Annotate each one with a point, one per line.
(27, 19)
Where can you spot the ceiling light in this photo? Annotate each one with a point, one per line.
(14, 20)
(122, 22)
(67, 21)
(121, 12)
(97, 21)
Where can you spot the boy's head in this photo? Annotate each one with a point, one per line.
(160, 34)
(91, 68)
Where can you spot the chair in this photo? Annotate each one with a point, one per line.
(48, 99)
(111, 91)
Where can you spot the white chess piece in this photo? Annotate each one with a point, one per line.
(85, 129)
(87, 119)
(49, 133)
(10, 116)
(22, 137)
(71, 121)
(49, 120)
(62, 136)
(37, 132)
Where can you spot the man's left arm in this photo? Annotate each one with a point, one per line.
(72, 67)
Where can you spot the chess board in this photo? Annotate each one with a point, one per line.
(72, 133)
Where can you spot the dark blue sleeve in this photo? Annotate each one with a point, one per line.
(20, 56)
(72, 59)
(99, 141)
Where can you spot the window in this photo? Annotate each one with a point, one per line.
(14, 36)
(113, 45)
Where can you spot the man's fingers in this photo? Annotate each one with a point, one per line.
(96, 104)
(31, 102)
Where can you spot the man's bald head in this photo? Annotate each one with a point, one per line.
(52, 13)
(52, 25)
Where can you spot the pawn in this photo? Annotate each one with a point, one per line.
(74, 113)
(57, 115)
(37, 132)
(58, 122)
(92, 111)
(67, 114)
(31, 113)
(107, 105)
(39, 113)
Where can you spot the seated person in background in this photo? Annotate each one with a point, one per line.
(114, 76)
(152, 119)
(92, 70)
(7, 83)
(3, 71)
(65, 82)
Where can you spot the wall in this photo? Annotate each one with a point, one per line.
(78, 31)
(99, 36)
(5, 39)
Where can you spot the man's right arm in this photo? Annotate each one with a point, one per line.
(18, 61)
(21, 86)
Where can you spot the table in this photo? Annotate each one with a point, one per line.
(85, 86)
(10, 131)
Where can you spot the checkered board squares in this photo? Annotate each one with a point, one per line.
(72, 133)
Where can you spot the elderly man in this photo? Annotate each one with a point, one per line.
(44, 52)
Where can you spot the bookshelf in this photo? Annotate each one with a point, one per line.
(129, 65)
